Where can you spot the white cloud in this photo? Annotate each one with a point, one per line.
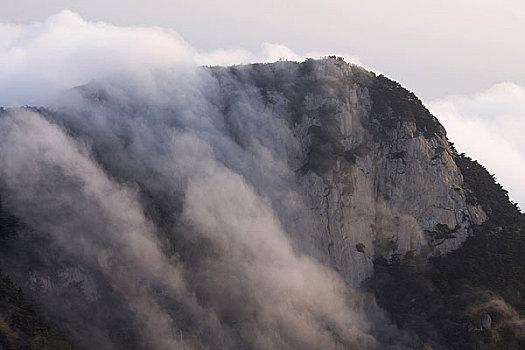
(41, 59)
(489, 127)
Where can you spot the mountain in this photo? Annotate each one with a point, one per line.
(310, 205)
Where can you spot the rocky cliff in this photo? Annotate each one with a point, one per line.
(374, 167)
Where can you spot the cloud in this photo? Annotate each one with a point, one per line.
(89, 216)
(64, 51)
(41, 59)
(168, 191)
(489, 127)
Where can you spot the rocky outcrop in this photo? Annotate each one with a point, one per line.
(374, 166)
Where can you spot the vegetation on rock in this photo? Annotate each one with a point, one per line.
(444, 301)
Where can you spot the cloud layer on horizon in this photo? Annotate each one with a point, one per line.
(489, 127)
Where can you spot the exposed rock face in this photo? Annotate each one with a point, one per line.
(486, 321)
(375, 167)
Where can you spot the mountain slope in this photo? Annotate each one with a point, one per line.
(257, 206)
(21, 325)
(447, 299)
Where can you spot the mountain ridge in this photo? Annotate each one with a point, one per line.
(342, 157)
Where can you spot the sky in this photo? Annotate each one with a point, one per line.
(464, 59)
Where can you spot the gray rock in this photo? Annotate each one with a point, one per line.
(395, 194)
(486, 321)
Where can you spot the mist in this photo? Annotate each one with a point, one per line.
(162, 198)
(41, 60)
(154, 192)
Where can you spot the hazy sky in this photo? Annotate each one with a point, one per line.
(453, 54)
(432, 47)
